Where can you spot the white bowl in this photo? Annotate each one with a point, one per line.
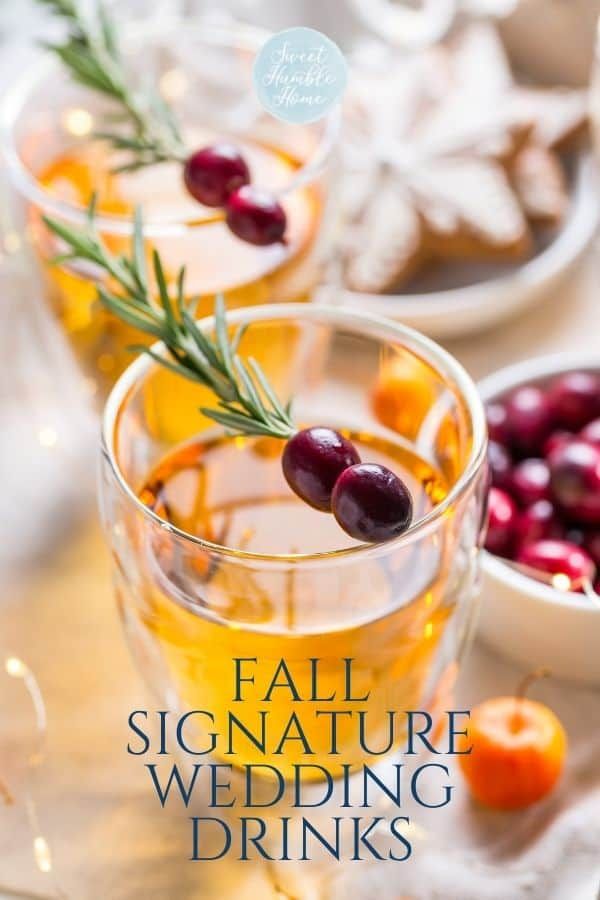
(467, 309)
(530, 622)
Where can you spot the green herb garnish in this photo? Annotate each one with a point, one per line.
(91, 53)
(247, 403)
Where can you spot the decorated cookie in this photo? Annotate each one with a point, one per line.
(559, 115)
(539, 181)
(449, 159)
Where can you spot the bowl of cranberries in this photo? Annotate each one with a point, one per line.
(541, 565)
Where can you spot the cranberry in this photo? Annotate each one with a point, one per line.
(575, 480)
(371, 503)
(537, 522)
(531, 481)
(213, 173)
(502, 520)
(574, 399)
(591, 432)
(529, 419)
(255, 216)
(312, 461)
(558, 557)
(500, 464)
(497, 422)
(556, 439)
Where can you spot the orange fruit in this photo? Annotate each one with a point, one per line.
(518, 752)
(403, 394)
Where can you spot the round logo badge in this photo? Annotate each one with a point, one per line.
(300, 74)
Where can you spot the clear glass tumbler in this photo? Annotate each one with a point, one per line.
(215, 559)
(55, 165)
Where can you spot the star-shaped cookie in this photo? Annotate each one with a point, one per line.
(447, 158)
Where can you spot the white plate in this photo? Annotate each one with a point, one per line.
(461, 310)
(530, 622)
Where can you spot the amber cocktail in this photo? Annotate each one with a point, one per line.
(57, 166)
(216, 559)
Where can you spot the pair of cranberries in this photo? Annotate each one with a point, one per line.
(368, 500)
(544, 458)
(218, 176)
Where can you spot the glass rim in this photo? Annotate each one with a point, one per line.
(377, 327)
(236, 35)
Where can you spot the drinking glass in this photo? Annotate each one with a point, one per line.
(205, 73)
(215, 559)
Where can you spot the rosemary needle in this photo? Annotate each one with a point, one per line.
(246, 402)
(91, 53)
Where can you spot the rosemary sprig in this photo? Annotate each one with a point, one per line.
(247, 403)
(91, 53)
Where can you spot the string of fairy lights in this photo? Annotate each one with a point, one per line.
(33, 759)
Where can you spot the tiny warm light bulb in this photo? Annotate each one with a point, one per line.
(78, 122)
(15, 667)
(12, 242)
(42, 855)
(428, 630)
(173, 84)
(561, 582)
(47, 437)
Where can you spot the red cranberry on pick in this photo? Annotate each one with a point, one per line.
(502, 521)
(497, 422)
(500, 464)
(371, 503)
(556, 439)
(255, 216)
(529, 419)
(531, 481)
(558, 557)
(591, 432)
(312, 461)
(537, 522)
(575, 480)
(213, 173)
(574, 399)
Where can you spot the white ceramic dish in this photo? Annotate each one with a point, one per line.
(461, 310)
(530, 622)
